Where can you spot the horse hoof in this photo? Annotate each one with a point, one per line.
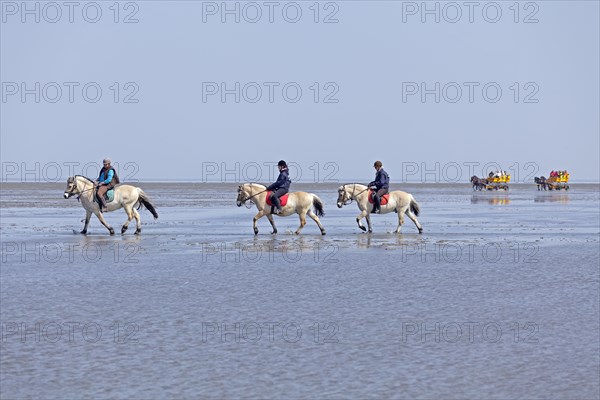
(370, 231)
(323, 233)
(255, 231)
(420, 231)
(137, 231)
(84, 232)
(363, 228)
(274, 232)
(112, 231)
(124, 229)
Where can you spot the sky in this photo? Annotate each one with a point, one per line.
(221, 91)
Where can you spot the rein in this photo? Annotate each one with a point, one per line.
(353, 195)
(251, 196)
(83, 191)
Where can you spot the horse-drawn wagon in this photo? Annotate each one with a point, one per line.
(493, 182)
(558, 180)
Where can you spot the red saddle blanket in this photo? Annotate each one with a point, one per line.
(283, 199)
(384, 198)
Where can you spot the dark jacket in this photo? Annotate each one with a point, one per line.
(382, 180)
(283, 181)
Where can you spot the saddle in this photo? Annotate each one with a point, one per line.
(283, 199)
(108, 196)
(384, 198)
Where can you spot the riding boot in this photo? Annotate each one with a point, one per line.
(103, 207)
(376, 204)
(276, 204)
(100, 195)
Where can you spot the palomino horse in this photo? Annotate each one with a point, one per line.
(126, 196)
(298, 203)
(400, 202)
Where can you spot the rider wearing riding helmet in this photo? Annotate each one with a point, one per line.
(380, 186)
(106, 181)
(279, 187)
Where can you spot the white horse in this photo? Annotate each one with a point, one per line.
(126, 196)
(400, 202)
(298, 203)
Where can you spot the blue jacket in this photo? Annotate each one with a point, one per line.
(106, 177)
(283, 181)
(382, 180)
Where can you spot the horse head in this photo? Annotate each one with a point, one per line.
(344, 197)
(247, 191)
(241, 195)
(474, 179)
(71, 187)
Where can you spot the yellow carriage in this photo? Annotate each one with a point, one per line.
(557, 181)
(498, 182)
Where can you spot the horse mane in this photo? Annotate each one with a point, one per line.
(255, 183)
(84, 177)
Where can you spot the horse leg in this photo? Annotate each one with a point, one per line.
(414, 219)
(302, 223)
(361, 216)
(129, 212)
(88, 215)
(103, 222)
(270, 218)
(316, 219)
(138, 222)
(368, 217)
(401, 212)
(258, 216)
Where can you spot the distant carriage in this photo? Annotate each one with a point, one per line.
(490, 183)
(554, 182)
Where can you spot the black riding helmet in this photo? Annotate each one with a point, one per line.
(281, 163)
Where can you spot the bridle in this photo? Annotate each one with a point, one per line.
(72, 191)
(251, 195)
(352, 196)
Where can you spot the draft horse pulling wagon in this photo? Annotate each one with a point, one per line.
(556, 181)
(491, 183)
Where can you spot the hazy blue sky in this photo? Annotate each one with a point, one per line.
(374, 61)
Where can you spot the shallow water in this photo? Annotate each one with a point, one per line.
(498, 298)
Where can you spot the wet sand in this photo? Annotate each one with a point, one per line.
(497, 298)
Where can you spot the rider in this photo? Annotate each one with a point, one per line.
(106, 181)
(381, 184)
(280, 187)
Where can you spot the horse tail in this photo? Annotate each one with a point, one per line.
(414, 206)
(145, 201)
(318, 204)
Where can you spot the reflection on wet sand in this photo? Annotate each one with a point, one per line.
(493, 200)
(389, 240)
(293, 246)
(552, 197)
